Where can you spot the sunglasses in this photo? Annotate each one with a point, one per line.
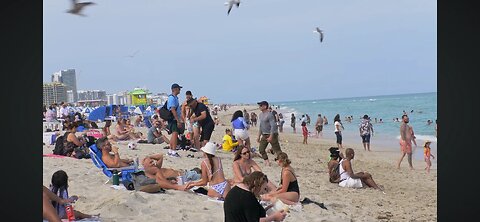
(245, 152)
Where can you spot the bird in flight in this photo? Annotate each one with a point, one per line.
(230, 4)
(133, 55)
(77, 7)
(317, 30)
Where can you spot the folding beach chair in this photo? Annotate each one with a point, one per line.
(146, 120)
(96, 156)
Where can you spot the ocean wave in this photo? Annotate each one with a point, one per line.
(423, 138)
(371, 100)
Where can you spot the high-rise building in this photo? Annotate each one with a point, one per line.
(67, 77)
(115, 99)
(91, 95)
(54, 92)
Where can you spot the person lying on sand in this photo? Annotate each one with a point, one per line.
(112, 161)
(166, 177)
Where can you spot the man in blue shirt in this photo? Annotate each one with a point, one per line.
(175, 125)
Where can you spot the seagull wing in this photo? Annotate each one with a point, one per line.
(321, 36)
(229, 9)
(318, 30)
(238, 4)
(82, 4)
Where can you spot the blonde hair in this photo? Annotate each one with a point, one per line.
(283, 157)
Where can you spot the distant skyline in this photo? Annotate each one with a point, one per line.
(257, 52)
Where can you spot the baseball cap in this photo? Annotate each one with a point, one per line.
(176, 86)
(263, 103)
(365, 116)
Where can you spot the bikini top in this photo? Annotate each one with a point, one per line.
(216, 171)
(244, 173)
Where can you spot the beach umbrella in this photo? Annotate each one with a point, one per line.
(138, 111)
(99, 114)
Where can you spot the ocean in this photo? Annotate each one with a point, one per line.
(420, 107)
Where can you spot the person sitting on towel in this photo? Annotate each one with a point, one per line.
(354, 180)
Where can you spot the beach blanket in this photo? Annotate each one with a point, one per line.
(55, 156)
(95, 133)
(202, 192)
(83, 220)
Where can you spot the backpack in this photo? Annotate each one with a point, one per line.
(334, 177)
(60, 146)
(165, 114)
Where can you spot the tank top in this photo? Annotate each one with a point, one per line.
(343, 174)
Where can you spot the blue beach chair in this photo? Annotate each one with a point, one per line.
(125, 172)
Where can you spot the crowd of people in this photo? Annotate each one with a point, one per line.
(249, 185)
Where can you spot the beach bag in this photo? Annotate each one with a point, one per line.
(335, 176)
(60, 146)
(165, 114)
(145, 184)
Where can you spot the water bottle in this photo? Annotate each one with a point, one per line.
(116, 179)
(69, 211)
(180, 180)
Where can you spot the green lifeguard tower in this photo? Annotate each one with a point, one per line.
(139, 96)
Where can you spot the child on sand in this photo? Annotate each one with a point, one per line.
(427, 155)
(304, 132)
(59, 187)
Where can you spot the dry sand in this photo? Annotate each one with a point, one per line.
(410, 195)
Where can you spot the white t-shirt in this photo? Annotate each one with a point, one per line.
(64, 111)
(339, 126)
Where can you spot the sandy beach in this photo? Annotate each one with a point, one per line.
(410, 195)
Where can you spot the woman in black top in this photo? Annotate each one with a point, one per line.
(288, 192)
(241, 204)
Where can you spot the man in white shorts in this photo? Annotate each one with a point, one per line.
(354, 180)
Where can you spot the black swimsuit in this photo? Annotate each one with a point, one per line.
(293, 185)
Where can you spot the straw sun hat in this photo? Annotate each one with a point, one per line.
(428, 141)
(209, 148)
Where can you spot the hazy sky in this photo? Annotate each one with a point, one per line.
(264, 50)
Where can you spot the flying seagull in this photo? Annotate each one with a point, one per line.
(230, 4)
(133, 55)
(77, 7)
(317, 30)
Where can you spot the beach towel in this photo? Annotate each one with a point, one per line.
(95, 133)
(279, 205)
(203, 192)
(55, 155)
(83, 220)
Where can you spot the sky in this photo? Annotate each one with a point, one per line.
(263, 50)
